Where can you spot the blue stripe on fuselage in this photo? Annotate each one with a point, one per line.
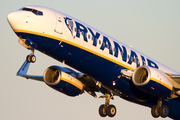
(105, 70)
(99, 68)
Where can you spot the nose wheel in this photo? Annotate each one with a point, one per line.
(31, 58)
(106, 109)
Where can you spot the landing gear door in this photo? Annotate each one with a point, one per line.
(59, 23)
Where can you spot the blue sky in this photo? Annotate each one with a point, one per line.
(152, 27)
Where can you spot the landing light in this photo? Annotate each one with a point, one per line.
(114, 83)
(130, 71)
(97, 83)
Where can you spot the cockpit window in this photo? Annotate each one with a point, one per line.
(36, 12)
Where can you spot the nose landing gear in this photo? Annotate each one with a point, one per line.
(31, 58)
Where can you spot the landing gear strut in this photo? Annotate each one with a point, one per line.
(160, 110)
(31, 58)
(106, 109)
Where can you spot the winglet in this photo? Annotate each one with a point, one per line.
(23, 72)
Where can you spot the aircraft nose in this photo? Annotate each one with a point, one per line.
(13, 19)
(10, 18)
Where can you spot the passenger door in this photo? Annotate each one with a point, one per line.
(59, 23)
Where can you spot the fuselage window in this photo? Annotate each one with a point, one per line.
(36, 12)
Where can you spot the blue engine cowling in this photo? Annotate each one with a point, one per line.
(62, 80)
(152, 81)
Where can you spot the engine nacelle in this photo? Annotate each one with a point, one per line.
(152, 81)
(61, 80)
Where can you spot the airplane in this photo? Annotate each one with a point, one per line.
(98, 63)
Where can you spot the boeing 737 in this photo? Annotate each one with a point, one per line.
(99, 63)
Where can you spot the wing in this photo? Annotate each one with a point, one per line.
(23, 72)
(175, 77)
(90, 84)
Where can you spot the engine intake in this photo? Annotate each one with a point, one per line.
(141, 76)
(52, 76)
(60, 79)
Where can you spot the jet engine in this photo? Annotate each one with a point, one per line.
(152, 81)
(63, 80)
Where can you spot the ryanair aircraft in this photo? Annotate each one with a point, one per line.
(105, 64)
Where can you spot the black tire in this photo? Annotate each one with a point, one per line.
(155, 111)
(102, 111)
(28, 59)
(164, 111)
(111, 111)
(31, 58)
